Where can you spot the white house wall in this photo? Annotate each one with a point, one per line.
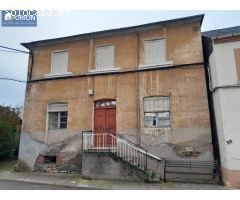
(225, 73)
(227, 109)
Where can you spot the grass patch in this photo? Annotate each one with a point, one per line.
(7, 165)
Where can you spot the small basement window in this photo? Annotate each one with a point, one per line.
(50, 159)
(57, 116)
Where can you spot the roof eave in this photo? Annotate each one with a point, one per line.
(154, 25)
(225, 36)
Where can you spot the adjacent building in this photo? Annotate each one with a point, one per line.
(145, 84)
(222, 49)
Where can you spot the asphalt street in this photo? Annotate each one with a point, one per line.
(20, 185)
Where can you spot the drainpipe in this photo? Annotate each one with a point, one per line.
(208, 50)
(137, 94)
(31, 66)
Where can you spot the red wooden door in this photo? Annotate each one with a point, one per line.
(104, 122)
(110, 123)
(99, 120)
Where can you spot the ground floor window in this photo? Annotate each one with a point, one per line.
(156, 112)
(57, 116)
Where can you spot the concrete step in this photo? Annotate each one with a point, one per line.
(156, 179)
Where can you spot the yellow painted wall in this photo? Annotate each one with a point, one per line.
(186, 86)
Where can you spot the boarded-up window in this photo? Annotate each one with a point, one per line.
(156, 112)
(237, 60)
(57, 116)
(154, 51)
(59, 62)
(104, 57)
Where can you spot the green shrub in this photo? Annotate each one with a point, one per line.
(9, 132)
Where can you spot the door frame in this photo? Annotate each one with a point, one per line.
(94, 108)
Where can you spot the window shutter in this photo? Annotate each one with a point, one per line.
(60, 62)
(237, 61)
(57, 107)
(105, 57)
(154, 51)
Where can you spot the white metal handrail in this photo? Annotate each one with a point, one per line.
(120, 147)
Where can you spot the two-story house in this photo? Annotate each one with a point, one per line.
(145, 84)
(223, 56)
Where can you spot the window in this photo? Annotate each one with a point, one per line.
(57, 116)
(105, 57)
(105, 104)
(156, 112)
(154, 51)
(50, 159)
(237, 61)
(59, 62)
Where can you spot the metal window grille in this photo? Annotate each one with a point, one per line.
(59, 62)
(156, 112)
(154, 51)
(105, 57)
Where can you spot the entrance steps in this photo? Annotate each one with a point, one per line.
(132, 156)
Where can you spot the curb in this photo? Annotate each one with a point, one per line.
(53, 184)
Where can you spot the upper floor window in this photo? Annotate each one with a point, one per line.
(59, 62)
(237, 61)
(156, 112)
(57, 116)
(154, 51)
(105, 57)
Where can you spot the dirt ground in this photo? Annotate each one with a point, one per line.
(8, 165)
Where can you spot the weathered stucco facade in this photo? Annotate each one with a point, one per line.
(183, 82)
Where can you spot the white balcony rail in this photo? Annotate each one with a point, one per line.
(118, 146)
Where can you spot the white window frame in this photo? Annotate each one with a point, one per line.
(67, 73)
(112, 68)
(165, 63)
(157, 112)
(58, 118)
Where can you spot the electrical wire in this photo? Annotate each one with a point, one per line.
(18, 50)
(9, 51)
(12, 50)
(11, 79)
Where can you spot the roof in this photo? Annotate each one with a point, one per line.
(154, 25)
(225, 32)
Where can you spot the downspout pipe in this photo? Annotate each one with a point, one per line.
(208, 50)
(137, 94)
(31, 66)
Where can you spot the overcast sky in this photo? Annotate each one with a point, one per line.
(75, 22)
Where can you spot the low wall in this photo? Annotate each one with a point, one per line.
(99, 165)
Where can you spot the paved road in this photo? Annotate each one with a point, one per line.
(19, 185)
